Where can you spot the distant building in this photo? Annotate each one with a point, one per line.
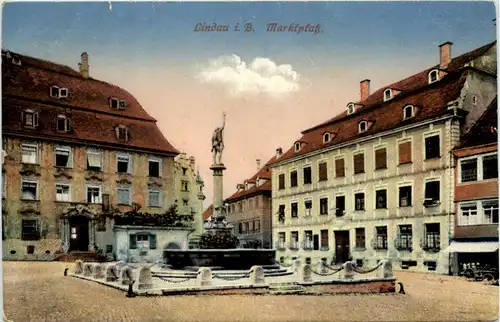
(377, 181)
(78, 151)
(475, 238)
(249, 209)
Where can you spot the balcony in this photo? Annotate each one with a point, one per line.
(294, 246)
(379, 243)
(431, 243)
(403, 243)
(281, 246)
(429, 203)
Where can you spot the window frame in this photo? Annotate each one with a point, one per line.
(350, 109)
(65, 184)
(34, 119)
(362, 127)
(410, 202)
(478, 210)
(355, 170)
(478, 159)
(324, 177)
(327, 137)
(297, 146)
(30, 181)
(360, 239)
(363, 206)
(281, 181)
(430, 199)
(292, 172)
(436, 154)
(31, 146)
(93, 186)
(308, 177)
(160, 166)
(296, 210)
(128, 188)
(377, 198)
(101, 157)
(378, 166)
(36, 235)
(433, 72)
(69, 150)
(405, 141)
(405, 117)
(388, 94)
(123, 156)
(323, 206)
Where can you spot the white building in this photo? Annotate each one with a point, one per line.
(377, 181)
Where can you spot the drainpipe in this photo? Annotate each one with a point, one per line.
(451, 203)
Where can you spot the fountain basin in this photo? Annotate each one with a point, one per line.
(234, 259)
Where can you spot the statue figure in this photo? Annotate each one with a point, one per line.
(218, 142)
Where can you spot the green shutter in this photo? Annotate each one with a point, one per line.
(152, 241)
(133, 241)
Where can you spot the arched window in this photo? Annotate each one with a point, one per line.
(326, 137)
(387, 94)
(350, 108)
(297, 146)
(362, 126)
(408, 112)
(433, 76)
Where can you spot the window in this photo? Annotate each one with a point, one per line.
(387, 94)
(29, 153)
(340, 204)
(405, 196)
(468, 214)
(308, 239)
(184, 171)
(308, 207)
(247, 227)
(93, 194)
(281, 181)
(294, 240)
(30, 229)
(29, 189)
(408, 112)
(295, 211)
(240, 228)
(307, 175)
(432, 149)
(381, 196)
(123, 163)
(94, 160)
(490, 166)
(362, 127)
(432, 193)
(433, 76)
(483, 212)
(404, 152)
(117, 104)
(122, 133)
(324, 238)
(56, 92)
(30, 118)
(185, 186)
(359, 199)
(468, 170)
(154, 198)
(432, 236)
(380, 159)
(281, 240)
(490, 211)
(360, 238)
(404, 240)
(339, 168)
(257, 226)
(359, 163)
(142, 241)
(293, 179)
(350, 109)
(323, 206)
(297, 146)
(154, 168)
(63, 192)
(322, 172)
(62, 123)
(63, 157)
(381, 237)
(124, 195)
(281, 213)
(326, 137)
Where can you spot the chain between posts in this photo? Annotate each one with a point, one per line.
(232, 278)
(367, 271)
(171, 281)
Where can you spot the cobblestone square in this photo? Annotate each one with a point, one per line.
(38, 291)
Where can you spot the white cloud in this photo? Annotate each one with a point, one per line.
(261, 76)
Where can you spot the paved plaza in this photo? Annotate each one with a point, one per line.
(38, 291)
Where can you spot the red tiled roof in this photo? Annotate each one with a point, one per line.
(92, 119)
(208, 212)
(482, 132)
(430, 100)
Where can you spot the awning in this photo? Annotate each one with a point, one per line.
(472, 247)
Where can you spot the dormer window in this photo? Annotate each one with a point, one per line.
(58, 92)
(30, 118)
(122, 133)
(62, 123)
(350, 109)
(16, 61)
(297, 146)
(408, 112)
(387, 94)
(327, 137)
(117, 104)
(433, 76)
(362, 126)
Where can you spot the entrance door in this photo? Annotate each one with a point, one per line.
(79, 234)
(341, 246)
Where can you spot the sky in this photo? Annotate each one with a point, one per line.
(272, 85)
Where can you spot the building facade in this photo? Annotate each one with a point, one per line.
(249, 209)
(377, 181)
(475, 239)
(77, 149)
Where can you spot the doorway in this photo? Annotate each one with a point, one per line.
(342, 250)
(79, 234)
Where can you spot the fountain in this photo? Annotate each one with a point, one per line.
(218, 246)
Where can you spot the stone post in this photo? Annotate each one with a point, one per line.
(320, 267)
(306, 273)
(78, 267)
(144, 277)
(204, 276)
(348, 270)
(385, 269)
(296, 265)
(257, 275)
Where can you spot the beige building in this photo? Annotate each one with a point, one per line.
(78, 149)
(378, 180)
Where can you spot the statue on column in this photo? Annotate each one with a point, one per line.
(218, 142)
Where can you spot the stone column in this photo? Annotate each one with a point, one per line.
(65, 235)
(91, 234)
(218, 175)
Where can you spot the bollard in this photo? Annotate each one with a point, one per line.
(401, 288)
(348, 270)
(306, 273)
(204, 276)
(320, 267)
(144, 277)
(257, 275)
(296, 265)
(130, 292)
(385, 269)
(66, 271)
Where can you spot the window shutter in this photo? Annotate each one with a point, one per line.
(35, 119)
(381, 159)
(152, 241)
(323, 174)
(359, 163)
(339, 168)
(405, 152)
(133, 241)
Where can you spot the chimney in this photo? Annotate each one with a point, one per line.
(84, 65)
(444, 54)
(279, 152)
(364, 88)
(258, 164)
